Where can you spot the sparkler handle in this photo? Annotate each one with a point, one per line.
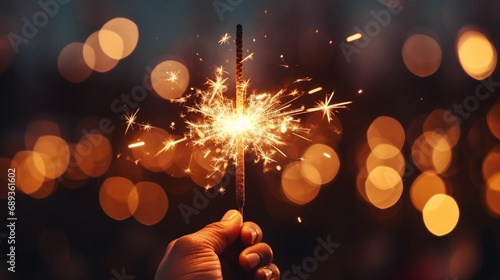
(240, 157)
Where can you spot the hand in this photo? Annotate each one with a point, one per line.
(209, 253)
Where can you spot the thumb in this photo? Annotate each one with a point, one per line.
(221, 234)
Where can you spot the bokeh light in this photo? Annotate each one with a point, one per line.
(114, 197)
(71, 64)
(431, 151)
(37, 129)
(386, 155)
(149, 203)
(295, 187)
(94, 154)
(491, 164)
(118, 37)
(95, 57)
(493, 120)
(476, 54)
(386, 130)
(56, 155)
(383, 187)
(170, 79)
(442, 122)
(30, 171)
(425, 186)
(324, 159)
(492, 199)
(148, 155)
(441, 214)
(422, 55)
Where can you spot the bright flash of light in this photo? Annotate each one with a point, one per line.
(225, 39)
(261, 125)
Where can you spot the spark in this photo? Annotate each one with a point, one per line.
(312, 91)
(136, 144)
(305, 79)
(173, 76)
(225, 39)
(146, 126)
(353, 37)
(285, 65)
(328, 108)
(248, 57)
(130, 120)
(222, 190)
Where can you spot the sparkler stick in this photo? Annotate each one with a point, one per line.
(240, 106)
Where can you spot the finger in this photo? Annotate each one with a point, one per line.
(251, 233)
(255, 256)
(220, 234)
(270, 272)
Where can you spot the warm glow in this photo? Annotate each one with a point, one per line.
(30, 171)
(386, 155)
(431, 151)
(295, 187)
(492, 199)
(491, 164)
(441, 214)
(148, 203)
(170, 79)
(442, 124)
(114, 197)
(421, 55)
(477, 55)
(55, 154)
(324, 159)
(383, 187)
(118, 37)
(425, 186)
(71, 64)
(386, 130)
(147, 154)
(95, 153)
(95, 57)
(493, 119)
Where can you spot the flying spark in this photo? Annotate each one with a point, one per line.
(225, 39)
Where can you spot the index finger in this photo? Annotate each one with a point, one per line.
(251, 233)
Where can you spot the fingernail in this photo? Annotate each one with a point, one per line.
(254, 234)
(268, 272)
(253, 260)
(229, 215)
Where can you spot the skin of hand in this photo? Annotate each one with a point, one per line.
(214, 252)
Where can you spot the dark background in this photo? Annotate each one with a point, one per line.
(375, 244)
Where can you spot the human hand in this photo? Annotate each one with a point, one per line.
(210, 253)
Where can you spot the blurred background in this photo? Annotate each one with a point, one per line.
(405, 180)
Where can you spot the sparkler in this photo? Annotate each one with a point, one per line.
(254, 123)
